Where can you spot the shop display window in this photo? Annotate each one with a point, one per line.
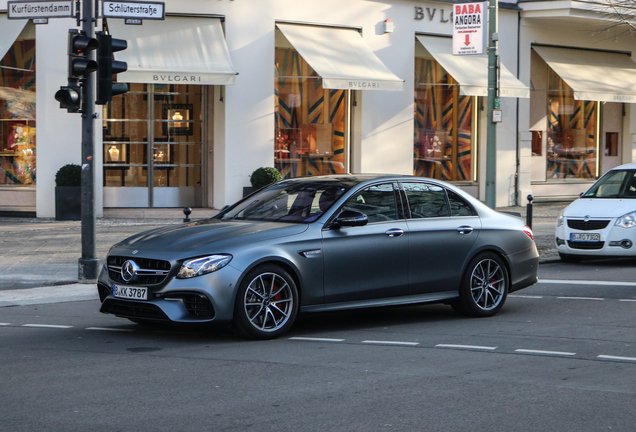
(444, 137)
(17, 115)
(572, 133)
(157, 127)
(311, 128)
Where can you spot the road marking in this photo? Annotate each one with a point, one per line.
(628, 300)
(390, 342)
(558, 353)
(608, 357)
(109, 329)
(468, 347)
(526, 296)
(5, 324)
(47, 326)
(316, 339)
(585, 282)
(579, 298)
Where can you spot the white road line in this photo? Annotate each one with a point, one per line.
(376, 342)
(468, 347)
(109, 329)
(585, 282)
(316, 339)
(579, 298)
(47, 326)
(608, 357)
(628, 300)
(5, 324)
(526, 296)
(557, 353)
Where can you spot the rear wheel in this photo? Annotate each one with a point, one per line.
(266, 303)
(484, 287)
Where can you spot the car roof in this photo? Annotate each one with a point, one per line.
(629, 166)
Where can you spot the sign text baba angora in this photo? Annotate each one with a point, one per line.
(468, 28)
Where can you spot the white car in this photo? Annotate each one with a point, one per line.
(602, 222)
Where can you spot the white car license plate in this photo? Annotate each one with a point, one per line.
(135, 293)
(585, 237)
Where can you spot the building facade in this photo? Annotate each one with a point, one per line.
(218, 89)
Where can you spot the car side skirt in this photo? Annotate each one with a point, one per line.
(394, 301)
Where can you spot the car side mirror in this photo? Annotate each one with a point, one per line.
(350, 218)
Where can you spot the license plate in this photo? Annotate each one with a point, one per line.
(135, 293)
(585, 237)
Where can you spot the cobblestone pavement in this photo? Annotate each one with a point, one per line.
(44, 252)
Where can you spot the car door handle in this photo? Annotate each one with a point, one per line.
(394, 232)
(465, 229)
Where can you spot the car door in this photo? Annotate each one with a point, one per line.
(371, 261)
(443, 228)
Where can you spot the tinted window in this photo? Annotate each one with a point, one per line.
(426, 200)
(459, 206)
(614, 184)
(377, 202)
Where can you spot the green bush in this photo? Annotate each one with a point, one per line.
(69, 175)
(264, 176)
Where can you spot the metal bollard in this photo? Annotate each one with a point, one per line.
(186, 212)
(529, 211)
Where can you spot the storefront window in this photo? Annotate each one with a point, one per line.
(572, 133)
(17, 114)
(444, 138)
(311, 127)
(154, 129)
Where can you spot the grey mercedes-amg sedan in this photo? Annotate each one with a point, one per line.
(319, 244)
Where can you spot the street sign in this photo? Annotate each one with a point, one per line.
(469, 22)
(40, 9)
(134, 9)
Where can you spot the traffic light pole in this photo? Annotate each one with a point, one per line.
(88, 263)
(491, 129)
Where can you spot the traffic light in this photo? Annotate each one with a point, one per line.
(70, 97)
(106, 88)
(79, 66)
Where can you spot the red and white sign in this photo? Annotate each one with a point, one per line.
(469, 24)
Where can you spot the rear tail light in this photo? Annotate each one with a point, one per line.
(528, 230)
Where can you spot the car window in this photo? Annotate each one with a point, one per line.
(459, 206)
(614, 184)
(426, 200)
(377, 202)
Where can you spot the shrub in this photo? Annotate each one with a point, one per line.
(264, 176)
(69, 175)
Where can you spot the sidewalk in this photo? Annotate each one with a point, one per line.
(43, 253)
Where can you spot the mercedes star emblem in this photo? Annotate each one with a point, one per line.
(129, 270)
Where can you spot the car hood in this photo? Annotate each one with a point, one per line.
(201, 235)
(599, 207)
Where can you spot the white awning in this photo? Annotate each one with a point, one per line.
(179, 50)
(471, 71)
(593, 75)
(341, 58)
(9, 32)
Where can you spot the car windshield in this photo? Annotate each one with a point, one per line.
(288, 201)
(614, 184)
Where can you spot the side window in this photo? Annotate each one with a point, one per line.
(426, 200)
(377, 202)
(459, 206)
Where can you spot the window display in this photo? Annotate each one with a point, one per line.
(444, 138)
(17, 114)
(311, 128)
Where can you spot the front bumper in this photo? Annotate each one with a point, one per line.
(613, 240)
(207, 298)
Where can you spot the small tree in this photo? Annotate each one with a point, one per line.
(69, 175)
(264, 176)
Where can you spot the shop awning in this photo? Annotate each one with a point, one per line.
(179, 50)
(341, 58)
(593, 75)
(471, 71)
(9, 32)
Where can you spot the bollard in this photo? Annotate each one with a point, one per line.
(529, 211)
(186, 212)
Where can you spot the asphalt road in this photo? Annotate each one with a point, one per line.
(561, 356)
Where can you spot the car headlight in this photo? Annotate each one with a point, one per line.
(627, 221)
(204, 265)
(560, 220)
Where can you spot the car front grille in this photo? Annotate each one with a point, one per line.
(151, 271)
(586, 245)
(591, 225)
(128, 309)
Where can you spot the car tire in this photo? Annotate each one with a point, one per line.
(484, 286)
(569, 258)
(266, 303)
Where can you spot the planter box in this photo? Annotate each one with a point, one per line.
(247, 190)
(68, 203)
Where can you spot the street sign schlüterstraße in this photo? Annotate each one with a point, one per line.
(134, 9)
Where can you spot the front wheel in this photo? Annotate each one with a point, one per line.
(484, 287)
(266, 303)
